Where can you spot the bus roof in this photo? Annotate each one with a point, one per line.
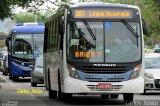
(28, 29)
(100, 4)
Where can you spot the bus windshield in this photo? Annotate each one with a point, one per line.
(27, 46)
(113, 42)
(22, 46)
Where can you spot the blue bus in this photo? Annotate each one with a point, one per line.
(25, 44)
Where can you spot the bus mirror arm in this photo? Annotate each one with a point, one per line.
(145, 28)
(7, 42)
(61, 26)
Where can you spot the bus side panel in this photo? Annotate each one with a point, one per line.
(51, 66)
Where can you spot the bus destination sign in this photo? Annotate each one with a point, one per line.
(110, 14)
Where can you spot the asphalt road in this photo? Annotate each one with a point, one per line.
(11, 95)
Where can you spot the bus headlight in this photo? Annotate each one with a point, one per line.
(136, 72)
(72, 72)
(148, 75)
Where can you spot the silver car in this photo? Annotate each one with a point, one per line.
(152, 72)
(37, 74)
(5, 64)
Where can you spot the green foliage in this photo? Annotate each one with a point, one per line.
(4, 9)
(5, 6)
(29, 17)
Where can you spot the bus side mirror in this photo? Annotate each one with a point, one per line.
(7, 42)
(145, 28)
(61, 26)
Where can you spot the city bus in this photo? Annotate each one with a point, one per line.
(94, 48)
(25, 44)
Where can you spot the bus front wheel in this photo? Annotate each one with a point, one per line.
(52, 94)
(10, 77)
(15, 78)
(128, 97)
(33, 84)
(67, 97)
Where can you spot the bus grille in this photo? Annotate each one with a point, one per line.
(157, 83)
(27, 72)
(95, 88)
(107, 70)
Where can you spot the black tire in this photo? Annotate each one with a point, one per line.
(10, 77)
(60, 96)
(15, 78)
(114, 96)
(51, 93)
(105, 96)
(5, 73)
(144, 92)
(67, 97)
(128, 97)
(33, 84)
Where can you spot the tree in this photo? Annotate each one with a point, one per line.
(29, 17)
(5, 6)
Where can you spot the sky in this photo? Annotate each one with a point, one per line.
(44, 6)
(6, 25)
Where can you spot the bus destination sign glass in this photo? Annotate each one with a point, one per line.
(110, 14)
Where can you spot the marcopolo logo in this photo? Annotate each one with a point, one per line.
(104, 64)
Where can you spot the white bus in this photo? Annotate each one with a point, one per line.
(92, 48)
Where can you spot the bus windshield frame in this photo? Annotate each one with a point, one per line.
(28, 45)
(128, 18)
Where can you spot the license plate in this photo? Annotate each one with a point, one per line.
(104, 85)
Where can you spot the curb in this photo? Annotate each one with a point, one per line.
(2, 80)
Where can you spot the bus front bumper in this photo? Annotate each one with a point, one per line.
(72, 85)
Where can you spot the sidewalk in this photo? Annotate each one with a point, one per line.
(1, 79)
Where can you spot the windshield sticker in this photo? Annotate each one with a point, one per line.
(107, 25)
(74, 42)
(36, 55)
(30, 56)
(135, 28)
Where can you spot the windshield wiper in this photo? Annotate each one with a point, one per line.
(130, 28)
(89, 29)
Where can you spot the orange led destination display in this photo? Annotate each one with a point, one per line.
(122, 14)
